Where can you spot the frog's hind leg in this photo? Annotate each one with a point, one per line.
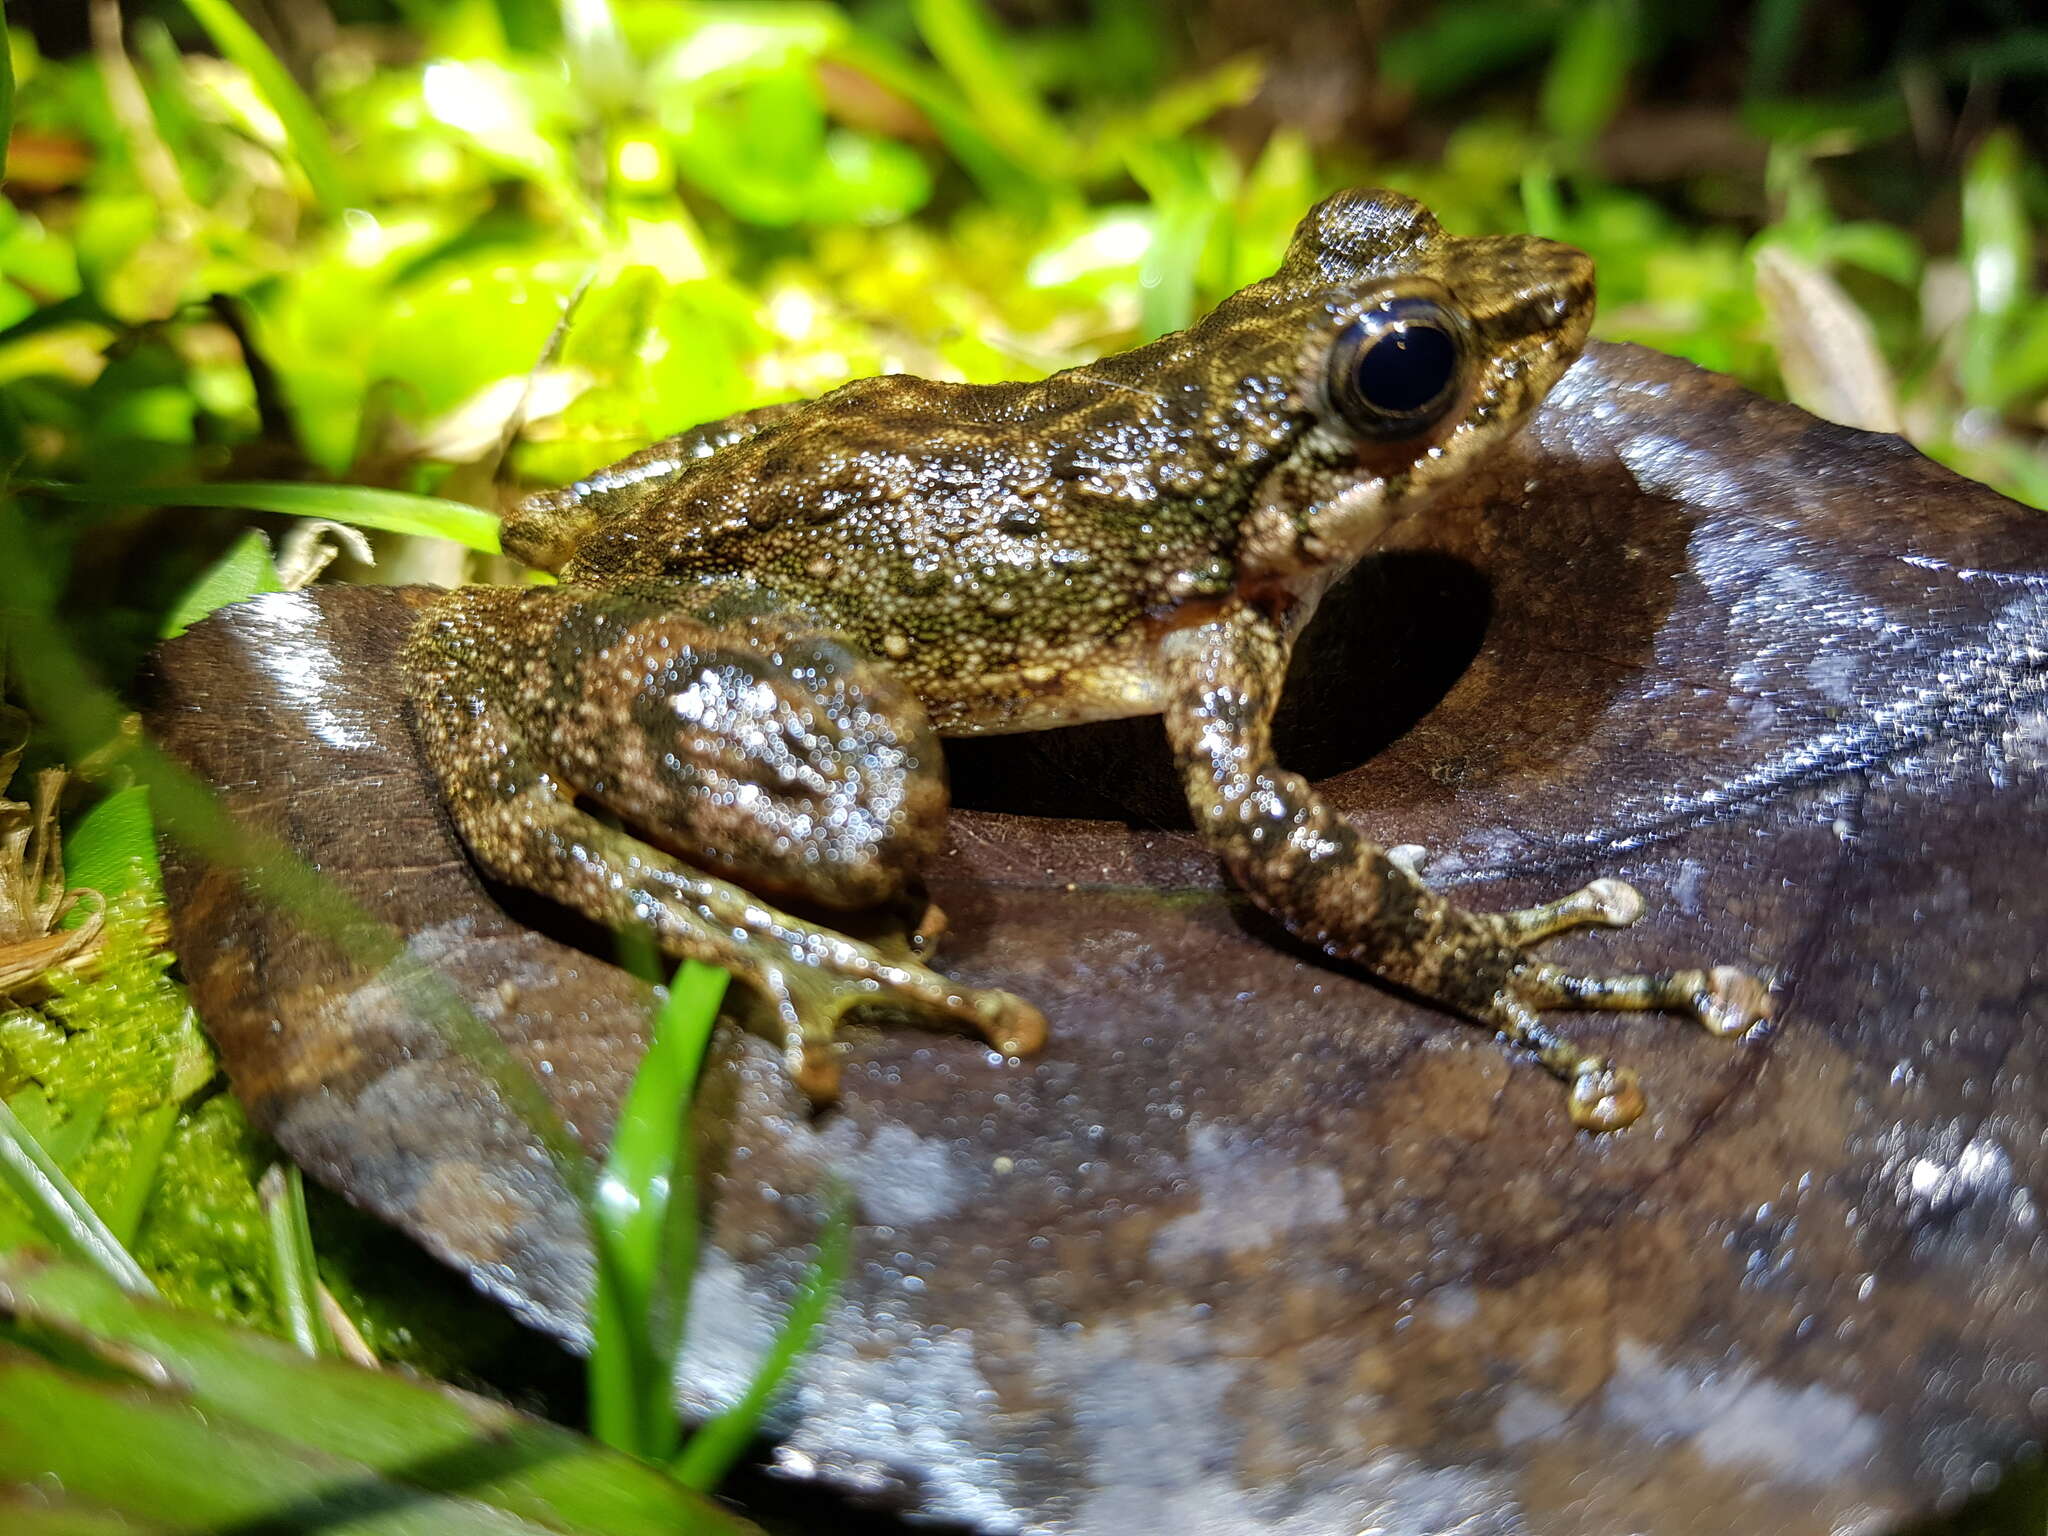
(809, 976)
(755, 745)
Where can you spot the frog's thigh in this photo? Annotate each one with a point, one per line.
(528, 701)
(1307, 866)
(761, 748)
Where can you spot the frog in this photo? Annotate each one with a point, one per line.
(720, 722)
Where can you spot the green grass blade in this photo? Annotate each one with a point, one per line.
(71, 1127)
(1998, 253)
(713, 1449)
(619, 1363)
(243, 571)
(644, 1224)
(1183, 213)
(360, 506)
(59, 1211)
(296, 1276)
(964, 39)
(147, 1144)
(1589, 69)
(1002, 177)
(240, 44)
(417, 1443)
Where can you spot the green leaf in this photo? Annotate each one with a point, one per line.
(644, 1223)
(601, 63)
(1998, 254)
(240, 44)
(59, 1211)
(972, 50)
(1589, 69)
(1002, 176)
(713, 1448)
(245, 570)
(113, 847)
(1463, 42)
(496, 110)
(226, 1428)
(396, 1432)
(2022, 371)
(147, 1145)
(293, 1272)
(359, 506)
(1773, 40)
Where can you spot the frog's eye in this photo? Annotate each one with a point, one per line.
(1395, 370)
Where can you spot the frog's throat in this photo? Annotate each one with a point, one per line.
(1365, 525)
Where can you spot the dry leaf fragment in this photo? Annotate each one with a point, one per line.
(34, 904)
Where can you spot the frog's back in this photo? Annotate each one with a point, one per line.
(993, 542)
(902, 467)
(1013, 550)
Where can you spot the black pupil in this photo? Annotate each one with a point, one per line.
(1406, 369)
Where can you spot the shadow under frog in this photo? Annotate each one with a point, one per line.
(1341, 708)
(1255, 1246)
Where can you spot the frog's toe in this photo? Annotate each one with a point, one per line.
(1410, 856)
(1009, 1023)
(814, 1068)
(815, 1003)
(1605, 903)
(1599, 1095)
(1729, 1001)
(924, 938)
(1604, 1097)
(1612, 903)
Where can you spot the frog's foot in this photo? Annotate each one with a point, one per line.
(1603, 1097)
(812, 1001)
(811, 976)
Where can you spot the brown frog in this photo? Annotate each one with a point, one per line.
(760, 625)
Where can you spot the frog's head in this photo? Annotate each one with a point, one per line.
(1408, 354)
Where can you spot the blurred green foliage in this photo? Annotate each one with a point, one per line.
(441, 245)
(213, 268)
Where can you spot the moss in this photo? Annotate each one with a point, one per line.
(109, 1051)
(203, 1237)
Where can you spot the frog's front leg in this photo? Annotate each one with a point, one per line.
(1310, 869)
(755, 747)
